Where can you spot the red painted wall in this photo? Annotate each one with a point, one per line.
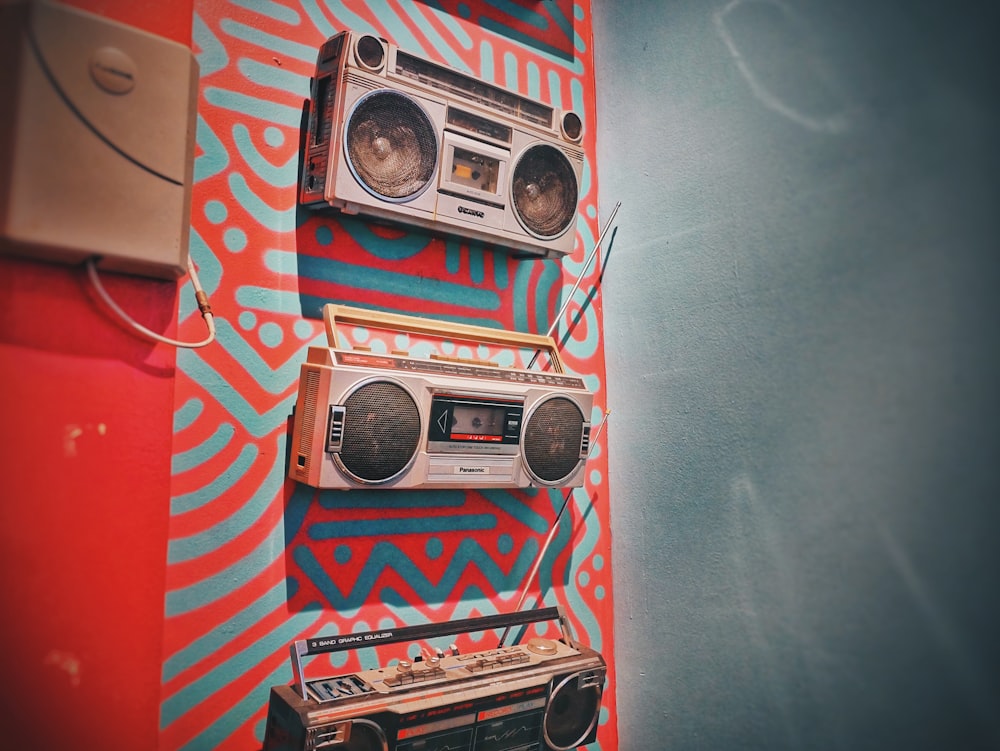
(86, 481)
(84, 491)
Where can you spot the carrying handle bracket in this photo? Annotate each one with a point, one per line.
(301, 648)
(335, 315)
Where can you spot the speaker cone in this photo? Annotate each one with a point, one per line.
(553, 440)
(571, 712)
(381, 431)
(544, 191)
(391, 145)
(365, 735)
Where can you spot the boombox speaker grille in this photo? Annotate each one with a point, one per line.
(571, 713)
(391, 145)
(381, 431)
(544, 191)
(364, 736)
(553, 439)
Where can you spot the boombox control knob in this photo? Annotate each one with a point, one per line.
(404, 666)
(543, 647)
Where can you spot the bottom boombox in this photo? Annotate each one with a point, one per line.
(540, 695)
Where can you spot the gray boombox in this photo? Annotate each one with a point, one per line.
(540, 695)
(364, 419)
(396, 137)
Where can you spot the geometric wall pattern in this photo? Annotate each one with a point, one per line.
(257, 560)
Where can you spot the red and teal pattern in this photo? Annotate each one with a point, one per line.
(256, 560)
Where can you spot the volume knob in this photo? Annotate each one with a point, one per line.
(543, 647)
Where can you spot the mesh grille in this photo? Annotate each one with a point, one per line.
(545, 191)
(305, 422)
(553, 439)
(381, 431)
(391, 145)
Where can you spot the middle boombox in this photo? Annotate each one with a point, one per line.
(364, 419)
(396, 137)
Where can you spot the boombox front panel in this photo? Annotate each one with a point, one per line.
(343, 437)
(394, 144)
(552, 703)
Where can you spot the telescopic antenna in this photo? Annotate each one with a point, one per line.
(548, 540)
(576, 286)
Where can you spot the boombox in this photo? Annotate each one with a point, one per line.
(542, 695)
(396, 137)
(366, 419)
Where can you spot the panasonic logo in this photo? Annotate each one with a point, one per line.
(471, 212)
(472, 470)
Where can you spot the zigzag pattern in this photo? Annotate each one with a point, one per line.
(255, 560)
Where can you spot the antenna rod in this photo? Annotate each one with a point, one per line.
(551, 536)
(576, 286)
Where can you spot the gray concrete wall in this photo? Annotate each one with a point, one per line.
(801, 312)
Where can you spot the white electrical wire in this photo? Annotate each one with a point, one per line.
(200, 296)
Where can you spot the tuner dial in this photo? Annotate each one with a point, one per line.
(404, 666)
(544, 647)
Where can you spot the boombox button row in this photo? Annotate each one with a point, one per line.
(491, 653)
(500, 661)
(408, 677)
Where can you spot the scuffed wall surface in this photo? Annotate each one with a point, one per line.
(801, 339)
(255, 560)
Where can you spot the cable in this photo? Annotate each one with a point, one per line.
(199, 294)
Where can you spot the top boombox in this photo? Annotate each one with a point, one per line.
(365, 419)
(396, 137)
(539, 695)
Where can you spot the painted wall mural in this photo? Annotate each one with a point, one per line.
(256, 560)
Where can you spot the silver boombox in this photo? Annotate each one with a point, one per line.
(542, 695)
(364, 419)
(397, 137)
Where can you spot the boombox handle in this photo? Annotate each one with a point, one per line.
(334, 314)
(323, 644)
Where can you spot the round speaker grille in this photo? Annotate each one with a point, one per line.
(571, 713)
(369, 52)
(365, 735)
(552, 440)
(572, 126)
(391, 145)
(381, 431)
(544, 191)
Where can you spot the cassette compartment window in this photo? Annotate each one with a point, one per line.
(475, 170)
